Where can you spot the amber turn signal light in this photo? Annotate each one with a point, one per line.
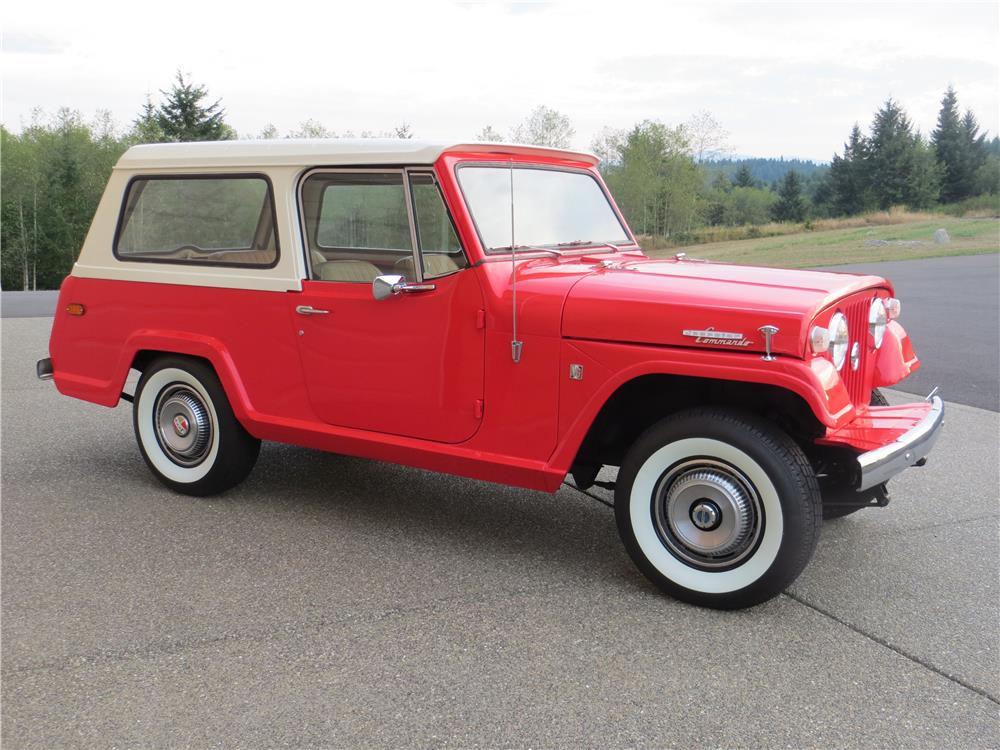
(75, 308)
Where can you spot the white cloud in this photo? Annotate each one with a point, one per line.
(783, 78)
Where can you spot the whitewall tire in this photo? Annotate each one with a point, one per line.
(718, 508)
(186, 429)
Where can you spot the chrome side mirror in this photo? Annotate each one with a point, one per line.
(384, 287)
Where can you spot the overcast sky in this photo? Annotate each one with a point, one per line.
(783, 79)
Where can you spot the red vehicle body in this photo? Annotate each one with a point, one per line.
(428, 379)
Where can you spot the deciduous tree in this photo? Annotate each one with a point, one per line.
(489, 134)
(544, 127)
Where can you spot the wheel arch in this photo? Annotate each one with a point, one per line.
(640, 401)
(143, 349)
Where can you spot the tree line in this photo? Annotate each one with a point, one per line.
(668, 179)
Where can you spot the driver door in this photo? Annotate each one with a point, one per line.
(411, 364)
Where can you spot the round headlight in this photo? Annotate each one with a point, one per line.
(839, 339)
(878, 318)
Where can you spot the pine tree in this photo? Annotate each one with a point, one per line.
(902, 168)
(890, 145)
(974, 152)
(743, 177)
(146, 127)
(849, 186)
(790, 206)
(183, 117)
(947, 140)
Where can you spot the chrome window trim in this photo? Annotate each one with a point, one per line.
(451, 219)
(411, 212)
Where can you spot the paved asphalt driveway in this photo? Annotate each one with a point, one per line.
(340, 602)
(951, 309)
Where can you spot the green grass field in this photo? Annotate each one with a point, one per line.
(839, 246)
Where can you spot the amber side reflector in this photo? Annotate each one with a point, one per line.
(75, 308)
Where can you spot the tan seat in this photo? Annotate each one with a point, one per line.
(356, 271)
(435, 264)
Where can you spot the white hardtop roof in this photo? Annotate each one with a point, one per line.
(319, 151)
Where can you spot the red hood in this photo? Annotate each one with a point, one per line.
(656, 301)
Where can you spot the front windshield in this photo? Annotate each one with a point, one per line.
(552, 208)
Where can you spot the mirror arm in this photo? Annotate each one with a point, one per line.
(410, 288)
(384, 287)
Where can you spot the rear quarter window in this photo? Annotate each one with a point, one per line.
(210, 220)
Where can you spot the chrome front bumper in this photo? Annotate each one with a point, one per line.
(882, 464)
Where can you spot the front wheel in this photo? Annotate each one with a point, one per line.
(186, 429)
(718, 508)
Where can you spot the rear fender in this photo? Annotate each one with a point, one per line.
(108, 392)
(193, 345)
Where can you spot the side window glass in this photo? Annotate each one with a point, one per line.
(210, 220)
(440, 251)
(357, 226)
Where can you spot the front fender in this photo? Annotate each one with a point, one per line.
(612, 365)
(895, 358)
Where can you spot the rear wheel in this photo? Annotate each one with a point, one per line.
(186, 429)
(718, 508)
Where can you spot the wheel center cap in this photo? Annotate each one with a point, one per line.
(705, 515)
(181, 425)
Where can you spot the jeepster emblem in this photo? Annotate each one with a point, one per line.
(717, 338)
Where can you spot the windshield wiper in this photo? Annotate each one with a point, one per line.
(591, 243)
(527, 248)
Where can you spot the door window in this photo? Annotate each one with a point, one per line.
(357, 226)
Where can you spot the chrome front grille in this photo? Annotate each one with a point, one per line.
(858, 381)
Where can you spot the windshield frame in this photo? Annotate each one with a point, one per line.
(560, 249)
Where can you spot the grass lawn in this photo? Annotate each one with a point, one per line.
(838, 246)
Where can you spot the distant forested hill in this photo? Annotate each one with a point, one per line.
(766, 171)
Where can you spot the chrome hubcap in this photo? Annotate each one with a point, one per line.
(707, 513)
(183, 426)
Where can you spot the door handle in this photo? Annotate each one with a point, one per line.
(310, 310)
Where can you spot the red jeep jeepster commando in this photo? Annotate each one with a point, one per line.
(484, 310)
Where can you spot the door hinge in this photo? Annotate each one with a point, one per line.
(480, 319)
(478, 408)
